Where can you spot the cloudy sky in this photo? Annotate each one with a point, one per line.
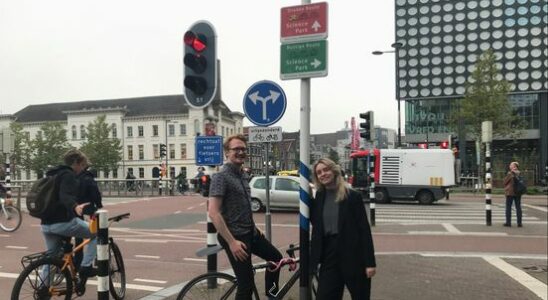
(66, 50)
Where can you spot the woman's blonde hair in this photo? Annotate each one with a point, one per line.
(340, 184)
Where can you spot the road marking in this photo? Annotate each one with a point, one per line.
(192, 207)
(455, 233)
(147, 256)
(450, 228)
(17, 247)
(9, 275)
(177, 212)
(202, 204)
(536, 207)
(145, 241)
(534, 285)
(195, 259)
(150, 281)
(4, 235)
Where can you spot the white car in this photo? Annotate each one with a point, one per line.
(284, 192)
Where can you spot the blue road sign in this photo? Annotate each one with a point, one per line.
(209, 150)
(264, 103)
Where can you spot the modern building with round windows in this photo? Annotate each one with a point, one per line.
(439, 43)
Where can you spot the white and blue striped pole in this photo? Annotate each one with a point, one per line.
(304, 173)
(102, 255)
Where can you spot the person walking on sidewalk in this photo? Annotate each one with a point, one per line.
(230, 211)
(511, 195)
(341, 236)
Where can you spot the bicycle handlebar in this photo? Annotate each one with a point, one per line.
(119, 217)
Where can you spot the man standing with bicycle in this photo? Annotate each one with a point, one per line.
(61, 219)
(230, 211)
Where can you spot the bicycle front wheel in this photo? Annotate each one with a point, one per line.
(10, 218)
(116, 272)
(43, 279)
(210, 286)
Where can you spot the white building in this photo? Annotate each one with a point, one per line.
(142, 124)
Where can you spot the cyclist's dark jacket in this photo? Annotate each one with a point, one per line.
(67, 185)
(354, 240)
(89, 192)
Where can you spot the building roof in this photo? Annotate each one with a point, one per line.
(140, 106)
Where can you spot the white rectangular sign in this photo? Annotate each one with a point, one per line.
(260, 134)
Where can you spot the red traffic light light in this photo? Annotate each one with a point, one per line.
(197, 42)
(444, 145)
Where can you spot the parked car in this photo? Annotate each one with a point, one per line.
(284, 192)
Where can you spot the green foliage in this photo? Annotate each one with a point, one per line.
(48, 148)
(21, 156)
(103, 152)
(486, 99)
(334, 156)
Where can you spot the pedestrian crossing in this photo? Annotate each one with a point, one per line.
(454, 213)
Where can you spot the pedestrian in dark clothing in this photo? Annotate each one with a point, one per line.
(87, 193)
(341, 236)
(511, 196)
(230, 211)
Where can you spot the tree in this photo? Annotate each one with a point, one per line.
(333, 155)
(486, 99)
(21, 157)
(103, 152)
(48, 148)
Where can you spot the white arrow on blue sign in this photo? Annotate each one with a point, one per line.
(264, 103)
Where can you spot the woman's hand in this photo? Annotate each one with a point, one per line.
(370, 272)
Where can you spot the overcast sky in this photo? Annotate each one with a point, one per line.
(66, 50)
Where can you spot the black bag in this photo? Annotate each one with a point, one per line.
(520, 187)
(42, 195)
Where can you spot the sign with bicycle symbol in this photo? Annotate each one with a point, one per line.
(265, 134)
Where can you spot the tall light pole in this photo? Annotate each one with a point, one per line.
(396, 47)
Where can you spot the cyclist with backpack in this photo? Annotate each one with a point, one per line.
(514, 187)
(61, 217)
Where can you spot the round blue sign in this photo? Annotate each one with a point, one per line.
(264, 103)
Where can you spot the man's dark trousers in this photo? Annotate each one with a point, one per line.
(257, 244)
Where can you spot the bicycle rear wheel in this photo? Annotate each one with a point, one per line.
(210, 286)
(10, 218)
(116, 272)
(43, 279)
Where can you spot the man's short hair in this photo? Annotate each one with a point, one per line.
(241, 137)
(74, 156)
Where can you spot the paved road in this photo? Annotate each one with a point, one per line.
(428, 251)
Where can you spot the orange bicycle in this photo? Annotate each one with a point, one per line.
(54, 276)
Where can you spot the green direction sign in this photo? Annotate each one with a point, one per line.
(303, 60)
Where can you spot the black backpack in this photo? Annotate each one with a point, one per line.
(520, 187)
(42, 195)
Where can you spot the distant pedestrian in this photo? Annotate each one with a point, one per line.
(341, 236)
(511, 195)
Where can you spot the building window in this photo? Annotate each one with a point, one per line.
(140, 131)
(82, 131)
(155, 151)
(171, 129)
(172, 151)
(74, 133)
(527, 108)
(154, 130)
(141, 152)
(130, 171)
(114, 131)
(129, 131)
(115, 173)
(141, 172)
(105, 174)
(182, 129)
(183, 151)
(130, 152)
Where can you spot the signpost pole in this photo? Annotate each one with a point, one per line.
(304, 174)
(267, 213)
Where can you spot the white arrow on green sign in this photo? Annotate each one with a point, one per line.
(303, 60)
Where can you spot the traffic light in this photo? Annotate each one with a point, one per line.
(200, 64)
(368, 126)
(163, 150)
(205, 181)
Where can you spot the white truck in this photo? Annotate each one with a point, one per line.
(422, 175)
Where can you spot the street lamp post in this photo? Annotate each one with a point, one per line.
(396, 47)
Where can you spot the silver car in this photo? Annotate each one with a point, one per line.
(284, 192)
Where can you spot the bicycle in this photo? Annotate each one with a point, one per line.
(218, 285)
(47, 276)
(10, 216)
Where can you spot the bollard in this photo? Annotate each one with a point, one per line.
(211, 242)
(8, 177)
(102, 255)
(487, 185)
(372, 187)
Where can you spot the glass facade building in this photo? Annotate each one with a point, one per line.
(441, 40)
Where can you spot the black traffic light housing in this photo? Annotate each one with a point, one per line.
(368, 126)
(163, 150)
(200, 64)
(205, 182)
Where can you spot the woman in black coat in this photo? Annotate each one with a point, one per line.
(341, 237)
